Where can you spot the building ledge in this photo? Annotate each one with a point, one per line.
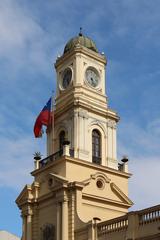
(51, 161)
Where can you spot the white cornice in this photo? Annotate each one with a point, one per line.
(82, 50)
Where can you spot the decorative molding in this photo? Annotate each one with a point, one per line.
(83, 114)
(56, 182)
(59, 128)
(100, 175)
(76, 113)
(105, 200)
(71, 64)
(111, 124)
(25, 196)
(98, 123)
(95, 176)
(119, 192)
(58, 178)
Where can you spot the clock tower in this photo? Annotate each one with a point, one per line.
(81, 111)
(80, 180)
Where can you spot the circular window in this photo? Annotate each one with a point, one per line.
(100, 183)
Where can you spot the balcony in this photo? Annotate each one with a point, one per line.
(54, 157)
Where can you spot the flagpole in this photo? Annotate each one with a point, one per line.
(52, 130)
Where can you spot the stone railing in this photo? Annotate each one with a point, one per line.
(52, 158)
(113, 225)
(133, 225)
(149, 215)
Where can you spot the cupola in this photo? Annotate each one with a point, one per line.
(81, 40)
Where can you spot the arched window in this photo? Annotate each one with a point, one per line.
(96, 146)
(61, 139)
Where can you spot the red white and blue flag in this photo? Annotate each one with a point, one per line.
(44, 118)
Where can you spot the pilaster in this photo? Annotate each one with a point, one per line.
(24, 227)
(58, 220)
(65, 219)
(27, 223)
(133, 224)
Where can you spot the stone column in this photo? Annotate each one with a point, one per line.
(91, 234)
(58, 229)
(29, 227)
(65, 219)
(95, 220)
(24, 226)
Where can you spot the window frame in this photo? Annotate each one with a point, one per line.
(96, 146)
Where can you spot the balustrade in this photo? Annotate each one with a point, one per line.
(141, 220)
(149, 215)
(54, 157)
(113, 225)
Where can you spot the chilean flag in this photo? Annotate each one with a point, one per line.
(44, 118)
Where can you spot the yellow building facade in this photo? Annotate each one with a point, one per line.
(80, 186)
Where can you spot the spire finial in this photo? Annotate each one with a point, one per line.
(80, 32)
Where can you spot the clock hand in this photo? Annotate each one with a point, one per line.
(93, 82)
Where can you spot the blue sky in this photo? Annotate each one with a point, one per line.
(32, 34)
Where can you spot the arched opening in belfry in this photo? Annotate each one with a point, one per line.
(96, 146)
(61, 139)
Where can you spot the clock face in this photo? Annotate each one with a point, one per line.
(92, 77)
(67, 76)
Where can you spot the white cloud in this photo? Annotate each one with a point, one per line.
(143, 183)
(17, 30)
(25, 44)
(141, 144)
(17, 160)
(16, 27)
